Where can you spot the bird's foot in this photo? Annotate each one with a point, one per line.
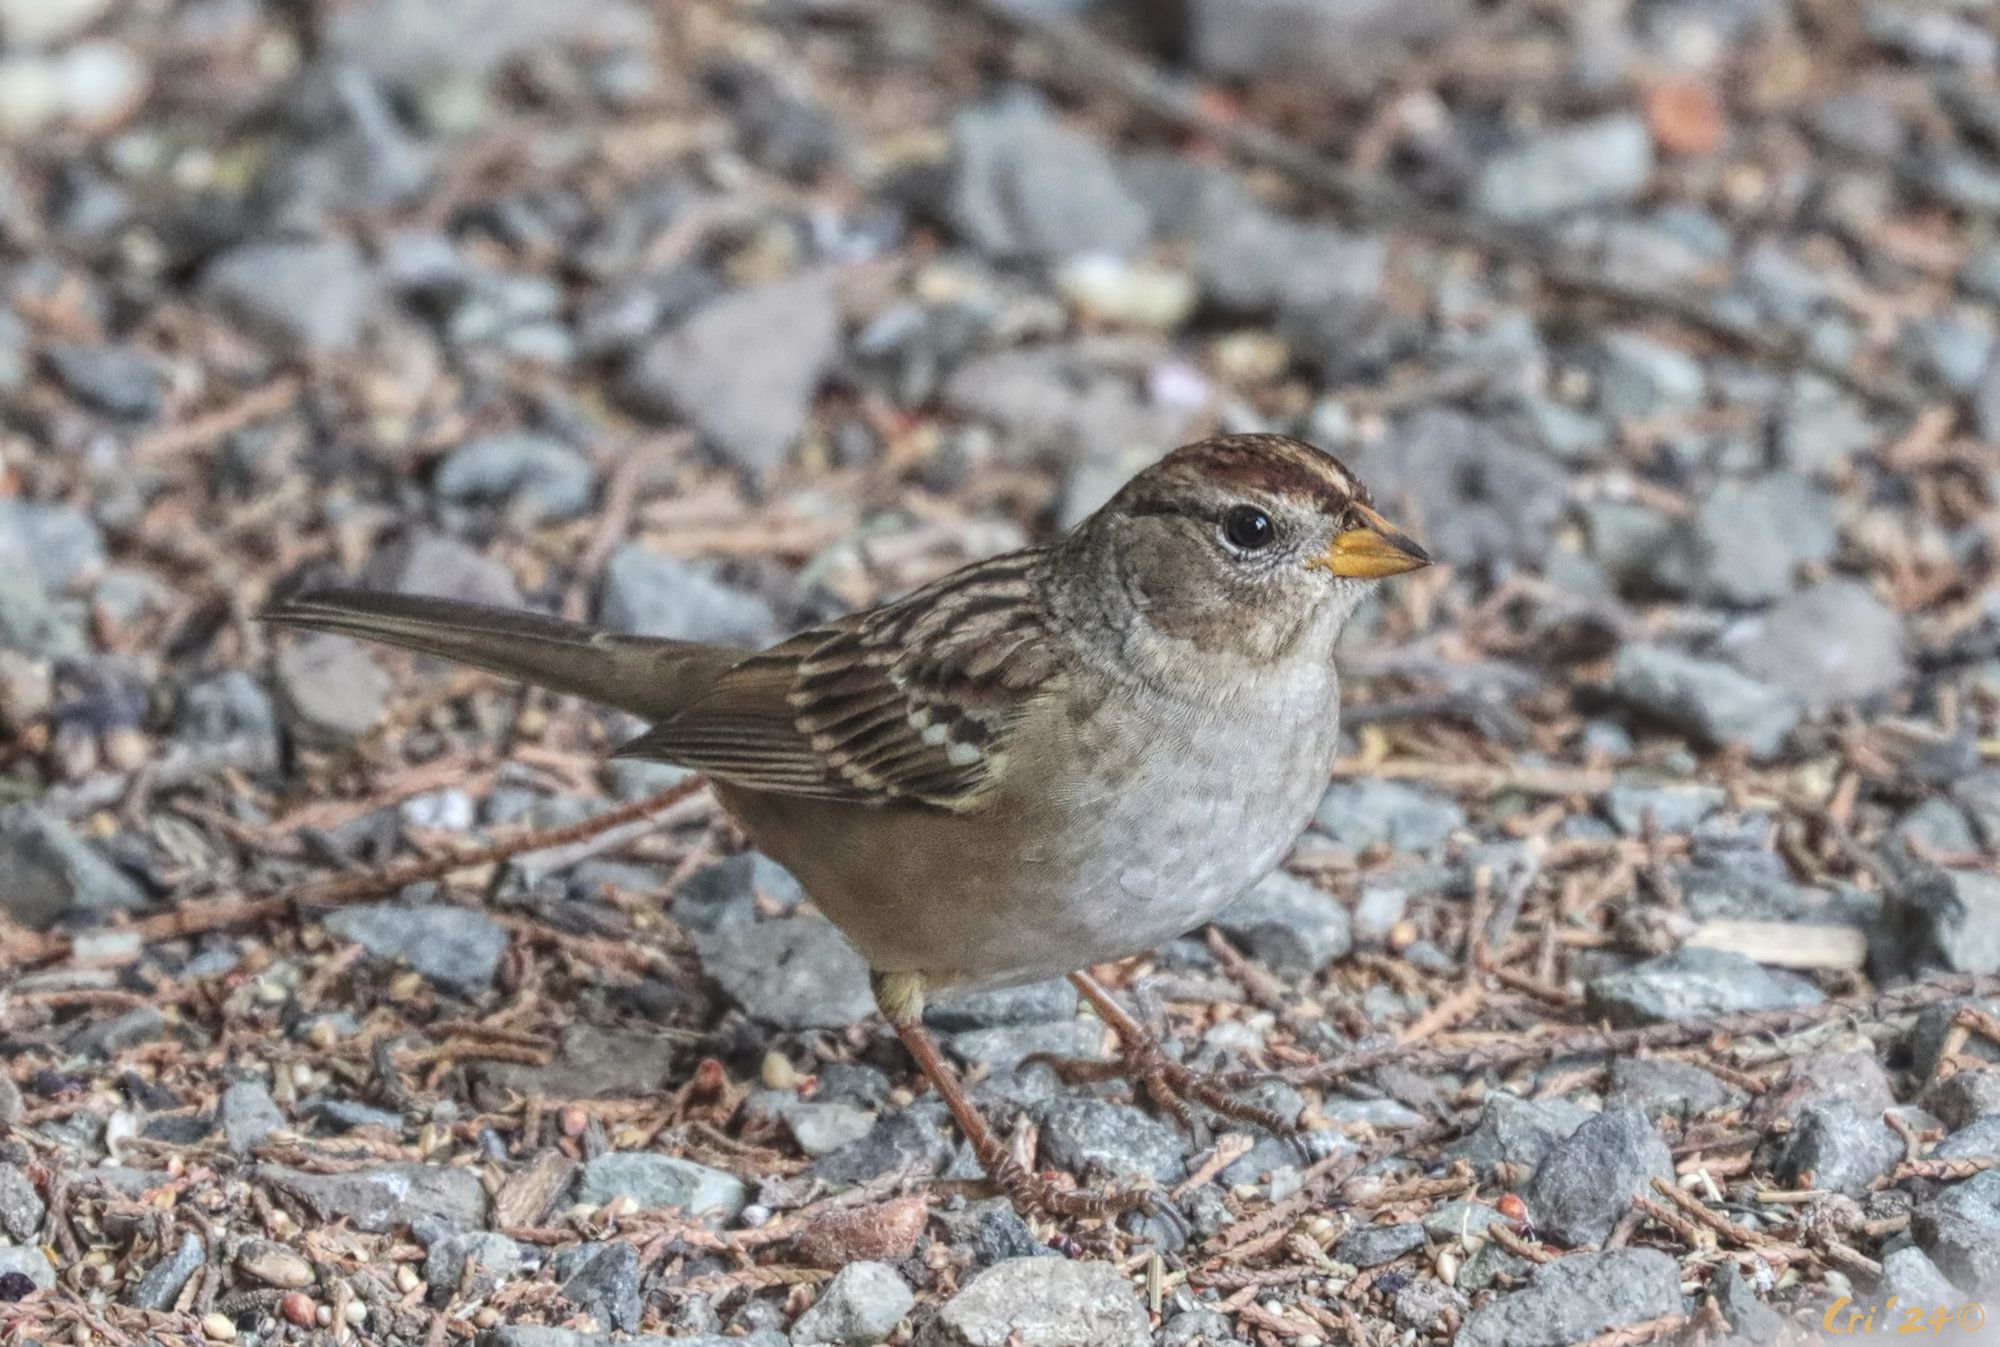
(1173, 1087)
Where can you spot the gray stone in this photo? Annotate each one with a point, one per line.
(1368, 812)
(1050, 1302)
(161, 1286)
(1721, 556)
(1736, 1297)
(650, 594)
(227, 705)
(1588, 1180)
(115, 380)
(1626, 540)
(416, 42)
(58, 544)
(1912, 1278)
(456, 947)
(1936, 825)
(1660, 1087)
(1693, 983)
(1942, 919)
(1346, 43)
(989, 1232)
(330, 688)
(53, 875)
(423, 562)
(590, 1062)
(1820, 427)
(606, 1283)
(1674, 809)
(11, 1107)
(1963, 1096)
(1960, 1229)
(1594, 164)
(388, 1196)
(248, 1114)
(791, 972)
(313, 294)
(1199, 1326)
(751, 411)
(540, 474)
(1822, 1078)
(493, 1259)
(1578, 1297)
(1708, 701)
(823, 1128)
(781, 127)
(346, 1115)
(1978, 793)
(1373, 1245)
(916, 1140)
(21, 1207)
(1006, 1046)
(657, 1181)
(1291, 925)
(1837, 1149)
(1506, 501)
(1830, 644)
(1518, 1132)
(31, 622)
(1978, 1137)
(1258, 262)
(861, 1305)
(1954, 348)
(1640, 379)
(1046, 1002)
(724, 895)
(1024, 185)
(29, 1261)
(109, 1037)
(1091, 1137)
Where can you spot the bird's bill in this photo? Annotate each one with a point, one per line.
(1371, 549)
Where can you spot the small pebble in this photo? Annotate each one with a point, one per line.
(218, 1328)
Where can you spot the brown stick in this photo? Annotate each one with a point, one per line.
(25, 948)
(1490, 1056)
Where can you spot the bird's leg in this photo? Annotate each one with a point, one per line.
(900, 996)
(1168, 1083)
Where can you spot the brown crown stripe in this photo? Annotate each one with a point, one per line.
(1270, 463)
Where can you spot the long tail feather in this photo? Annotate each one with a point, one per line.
(649, 676)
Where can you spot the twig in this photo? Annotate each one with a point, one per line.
(20, 948)
(204, 430)
(1942, 1171)
(1490, 1056)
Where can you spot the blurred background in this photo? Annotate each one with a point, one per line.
(1669, 326)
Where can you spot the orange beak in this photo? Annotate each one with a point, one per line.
(1371, 549)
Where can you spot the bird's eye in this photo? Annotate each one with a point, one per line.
(1247, 528)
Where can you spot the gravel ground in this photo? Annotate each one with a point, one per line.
(1640, 980)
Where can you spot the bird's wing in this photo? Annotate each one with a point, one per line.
(913, 702)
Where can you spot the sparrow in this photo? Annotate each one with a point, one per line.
(1044, 761)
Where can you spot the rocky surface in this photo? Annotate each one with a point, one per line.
(710, 322)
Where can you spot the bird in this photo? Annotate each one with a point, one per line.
(1044, 761)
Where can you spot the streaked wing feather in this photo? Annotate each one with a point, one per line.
(912, 702)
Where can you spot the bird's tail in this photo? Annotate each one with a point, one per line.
(651, 677)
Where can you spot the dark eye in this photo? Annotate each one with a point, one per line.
(1247, 528)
